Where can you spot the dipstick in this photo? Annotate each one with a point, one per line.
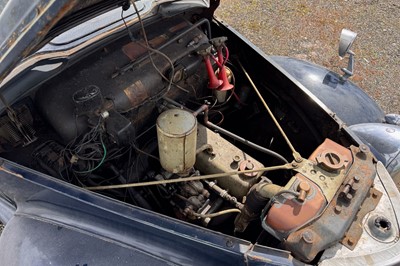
(296, 155)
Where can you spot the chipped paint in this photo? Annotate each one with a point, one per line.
(10, 172)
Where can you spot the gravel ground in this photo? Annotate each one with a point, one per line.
(310, 30)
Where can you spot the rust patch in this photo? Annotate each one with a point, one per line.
(355, 231)
(338, 217)
(10, 172)
(329, 145)
(157, 41)
(49, 22)
(134, 50)
(290, 214)
(178, 27)
(136, 93)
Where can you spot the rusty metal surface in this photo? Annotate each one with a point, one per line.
(335, 221)
(287, 214)
(247, 165)
(137, 93)
(373, 249)
(24, 25)
(157, 41)
(355, 231)
(324, 172)
(134, 50)
(178, 27)
(330, 178)
(317, 181)
(330, 173)
(8, 171)
(329, 145)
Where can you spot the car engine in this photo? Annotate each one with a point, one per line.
(167, 121)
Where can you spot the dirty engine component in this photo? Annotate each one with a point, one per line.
(177, 134)
(139, 120)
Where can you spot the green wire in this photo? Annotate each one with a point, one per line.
(101, 162)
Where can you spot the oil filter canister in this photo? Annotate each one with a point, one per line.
(177, 136)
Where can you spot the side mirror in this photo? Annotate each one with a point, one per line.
(347, 38)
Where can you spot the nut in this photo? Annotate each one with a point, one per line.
(364, 148)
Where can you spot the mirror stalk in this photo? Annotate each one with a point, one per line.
(348, 72)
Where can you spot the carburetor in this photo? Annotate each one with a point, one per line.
(187, 148)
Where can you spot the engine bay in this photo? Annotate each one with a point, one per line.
(167, 120)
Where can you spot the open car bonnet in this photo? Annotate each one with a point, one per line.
(174, 139)
(25, 24)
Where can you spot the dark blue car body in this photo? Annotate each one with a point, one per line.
(51, 222)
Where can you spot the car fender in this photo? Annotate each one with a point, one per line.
(384, 142)
(53, 222)
(343, 97)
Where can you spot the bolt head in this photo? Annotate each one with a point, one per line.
(303, 185)
(229, 243)
(349, 196)
(105, 114)
(364, 148)
(249, 165)
(308, 236)
(236, 158)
